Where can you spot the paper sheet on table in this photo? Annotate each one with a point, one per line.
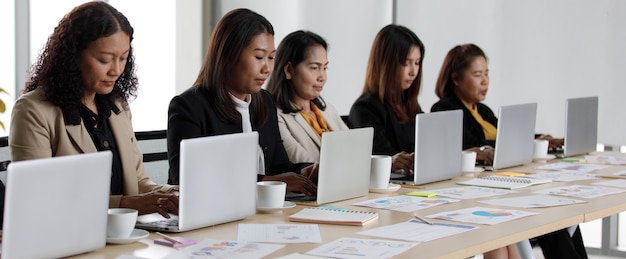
(482, 215)
(533, 201)
(404, 203)
(581, 191)
(211, 248)
(279, 233)
(612, 160)
(563, 176)
(417, 231)
(361, 248)
(299, 256)
(572, 167)
(620, 183)
(471, 192)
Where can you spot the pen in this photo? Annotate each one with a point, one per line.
(423, 219)
(168, 238)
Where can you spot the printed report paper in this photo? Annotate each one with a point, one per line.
(279, 233)
(417, 231)
(361, 248)
(533, 201)
(482, 215)
(404, 203)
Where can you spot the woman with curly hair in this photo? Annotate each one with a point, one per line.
(77, 102)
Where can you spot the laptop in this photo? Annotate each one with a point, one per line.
(581, 127)
(438, 146)
(56, 207)
(218, 177)
(344, 167)
(515, 138)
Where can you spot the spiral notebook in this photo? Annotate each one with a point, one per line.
(504, 182)
(334, 216)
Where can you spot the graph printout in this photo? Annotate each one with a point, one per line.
(482, 215)
(361, 248)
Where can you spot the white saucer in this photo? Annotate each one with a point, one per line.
(476, 170)
(134, 237)
(390, 188)
(286, 205)
(547, 157)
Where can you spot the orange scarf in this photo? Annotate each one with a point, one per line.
(319, 126)
(489, 130)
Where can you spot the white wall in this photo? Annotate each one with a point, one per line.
(539, 51)
(7, 61)
(155, 59)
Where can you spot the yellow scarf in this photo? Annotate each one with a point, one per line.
(319, 126)
(488, 128)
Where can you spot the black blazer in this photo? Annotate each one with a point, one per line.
(190, 115)
(390, 137)
(473, 135)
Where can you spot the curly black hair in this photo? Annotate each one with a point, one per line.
(57, 71)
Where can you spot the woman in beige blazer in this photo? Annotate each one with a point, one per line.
(296, 82)
(76, 102)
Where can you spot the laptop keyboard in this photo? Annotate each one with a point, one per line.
(304, 198)
(165, 222)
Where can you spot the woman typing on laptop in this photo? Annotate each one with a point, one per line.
(463, 83)
(388, 102)
(300, 74)
(77, 102)
(227, 98)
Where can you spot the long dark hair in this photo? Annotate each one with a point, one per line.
(384, 70)
(231, 35)
(457, 61)
(57, 71)
(292, 50)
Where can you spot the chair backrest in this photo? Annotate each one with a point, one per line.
(153, 145)
(5, 157)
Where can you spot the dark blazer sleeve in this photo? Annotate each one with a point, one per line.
(473, 135)
(1, 204)
(276, 159)
(182, 123)
(367, 111)
(190, 115)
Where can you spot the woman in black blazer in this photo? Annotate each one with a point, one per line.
(462, 84)
(388, 102)
(227, 98)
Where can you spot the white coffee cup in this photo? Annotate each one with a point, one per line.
(270, 194)
(380, 171)
(468, 163)
(540, 148)
(121, 222)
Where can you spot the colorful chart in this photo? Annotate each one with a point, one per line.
(491, 213)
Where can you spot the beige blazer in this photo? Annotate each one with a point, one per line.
(38, 130)
(299, 139)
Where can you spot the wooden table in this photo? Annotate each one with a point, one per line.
(463, 245)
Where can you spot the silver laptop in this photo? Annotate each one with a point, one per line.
(581, 126)
(344, 167)
(56, 207)
(515, 138)
(438, 146)
(218, 177)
